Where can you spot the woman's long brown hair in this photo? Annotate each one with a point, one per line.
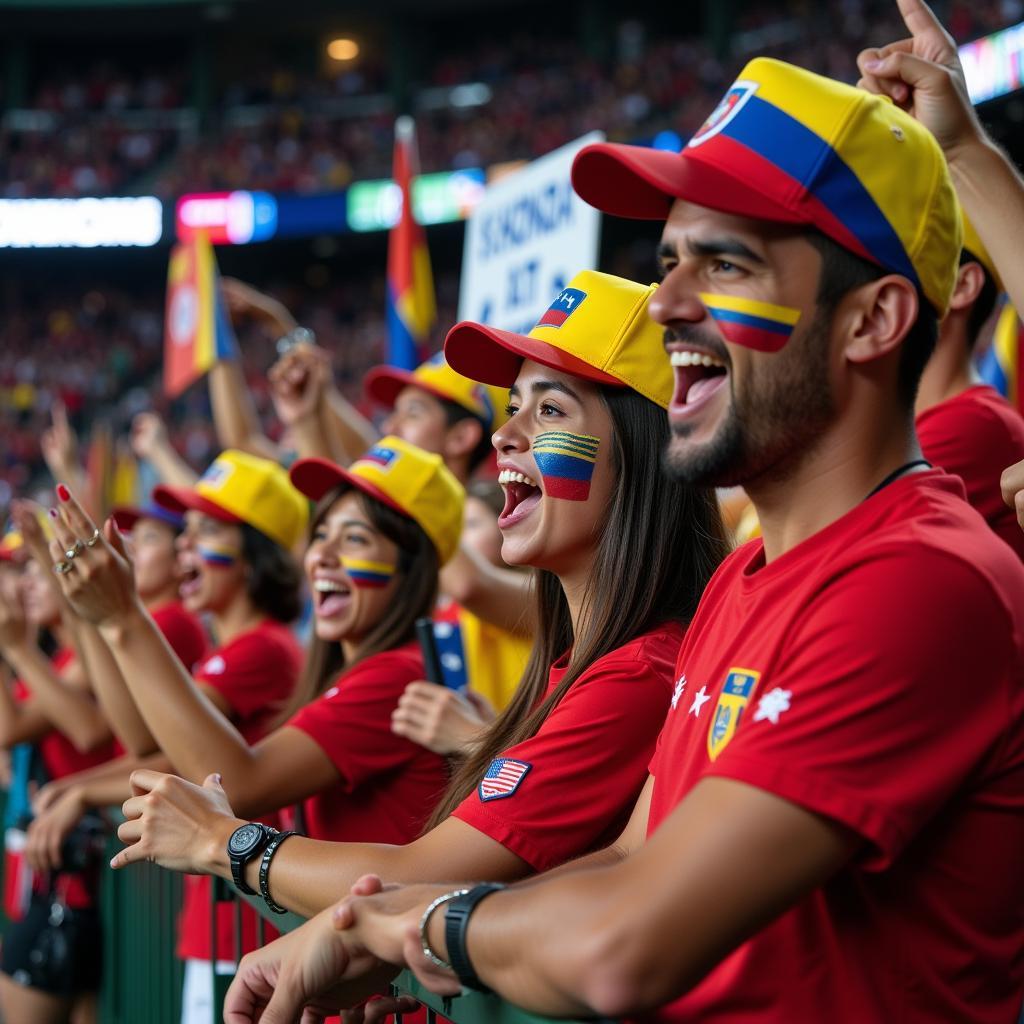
(415, 596)
(660, 543)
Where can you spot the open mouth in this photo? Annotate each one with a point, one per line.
(330, 598)
(190, 580)
(698, 376)
(522, 496)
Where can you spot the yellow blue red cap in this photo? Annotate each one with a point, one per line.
(598, 328)
(404, 477)
(788, 145)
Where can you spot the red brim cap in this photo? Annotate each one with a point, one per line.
(642, 183)
(383, 385)
(316, 477)
(180, 499)
(126, 518)
(491, 356)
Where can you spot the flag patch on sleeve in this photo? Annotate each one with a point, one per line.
(502, 778)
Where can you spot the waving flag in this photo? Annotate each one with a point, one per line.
(411, 306)
(1000, 365)
(197, 332)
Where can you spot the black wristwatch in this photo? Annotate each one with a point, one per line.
(456, 919)
(246, 843)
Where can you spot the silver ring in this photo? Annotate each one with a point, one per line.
(63, 568)
(70, 554)
(91, 542)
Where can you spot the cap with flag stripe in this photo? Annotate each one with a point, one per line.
(787, 145)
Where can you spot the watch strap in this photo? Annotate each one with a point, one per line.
(456, 921)
(268, 853)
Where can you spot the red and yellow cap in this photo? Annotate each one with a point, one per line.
(242, 488)
(436, 377)
(974, 245)
(788, 145)
(402, 476)
(597, 328)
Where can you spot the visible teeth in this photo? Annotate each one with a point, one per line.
(694, 359)
(510, 476)
(329, 587)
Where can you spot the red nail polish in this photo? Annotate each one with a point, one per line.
(62, 492)
(52, 512)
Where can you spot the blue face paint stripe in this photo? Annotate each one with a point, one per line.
(566, 466)
(749, 320)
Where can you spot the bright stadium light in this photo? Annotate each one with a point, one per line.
(342, 49)
(994, 65)
(80, 223)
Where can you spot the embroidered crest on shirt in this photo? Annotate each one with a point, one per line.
(736, 694)
(772, 704)
(502, 779)
(678, 691)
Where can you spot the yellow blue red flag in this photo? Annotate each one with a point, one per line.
(1000, 365)
(197, 331)
(412, 308)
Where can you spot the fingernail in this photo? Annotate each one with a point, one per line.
(62, 492)
(216, 778)
(872, 65)
(52, 513)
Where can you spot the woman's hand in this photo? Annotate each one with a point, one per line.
(310, 972)
(440, 719)
(46, 796)
(14, 628)
(59, 445)
(176, 824)
(149, 435)
(99, 583)
(1012, 486)
(48, 831)
(922, 74)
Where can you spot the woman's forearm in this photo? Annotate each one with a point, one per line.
(193, 734)
(70, 710)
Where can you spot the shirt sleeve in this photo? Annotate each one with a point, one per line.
(587, 765)
(183, 633)
(257, 673)
(351, 722)
(879, 709)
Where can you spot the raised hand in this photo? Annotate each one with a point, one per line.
(1012, 485)
(148, 435)
(923, 75)
(242, 300)
(174, 823)
(298, 381)
(59, 445)
(93, 567)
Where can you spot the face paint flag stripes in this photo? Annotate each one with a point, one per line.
(566, 462)
(368, 574)
(762, 326)
(216, 556)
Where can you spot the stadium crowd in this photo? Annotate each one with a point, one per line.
(680, 778)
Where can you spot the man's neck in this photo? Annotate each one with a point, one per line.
(949, 372)
(841, 471)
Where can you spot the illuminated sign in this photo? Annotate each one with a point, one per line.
(227, 217)
(437, 199)
(80, 223)
(994, 65)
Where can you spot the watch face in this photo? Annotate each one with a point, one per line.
(243, 839)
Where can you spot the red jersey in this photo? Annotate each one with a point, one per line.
(871, 675)
(389, 785)
(571, 788)
(184, 632)
(256, 672)
(976, 435)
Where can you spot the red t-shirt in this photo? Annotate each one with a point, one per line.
(571, 788)
(976, 435)
(389, 785)
(256, 672)
(184, 632)
(872, 675)
(60, 757)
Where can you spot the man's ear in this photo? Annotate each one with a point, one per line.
(970, 279)
(461, 439)
(879, 316)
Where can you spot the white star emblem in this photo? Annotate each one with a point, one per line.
(700, 698)
(772, 704)
(678, 691)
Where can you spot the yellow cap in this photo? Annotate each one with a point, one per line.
(402, 476)
(597, 328)
(973, 245)
(787, 145)
(242, 488)
(384, 383)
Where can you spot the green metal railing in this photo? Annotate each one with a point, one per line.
(142, 976)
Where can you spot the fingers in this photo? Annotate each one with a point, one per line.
(377, 1011)
(145, 780)
(367, 885)
(1011, 482)
(76, 518)
(422, 690)
(921, 20)
(115, 538)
